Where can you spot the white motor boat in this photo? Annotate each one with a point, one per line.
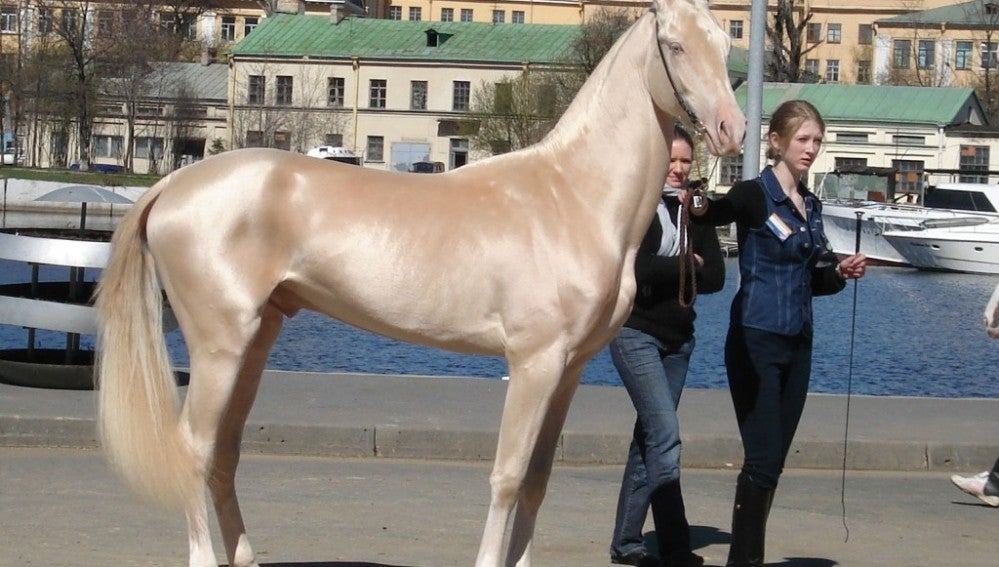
(956, 204)
(969, 247)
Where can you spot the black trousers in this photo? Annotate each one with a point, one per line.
(768, 377)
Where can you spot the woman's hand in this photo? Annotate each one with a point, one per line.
(686, 197)
(852, 267)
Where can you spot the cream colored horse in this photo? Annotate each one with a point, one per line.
(528, 255)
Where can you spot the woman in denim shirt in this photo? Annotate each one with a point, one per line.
(768, 351)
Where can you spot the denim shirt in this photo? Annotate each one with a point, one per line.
(776, 262)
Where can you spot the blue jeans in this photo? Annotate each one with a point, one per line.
(654, 376)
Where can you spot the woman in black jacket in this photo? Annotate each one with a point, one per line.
(651, 353)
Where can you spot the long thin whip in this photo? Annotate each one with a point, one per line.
(849, 382)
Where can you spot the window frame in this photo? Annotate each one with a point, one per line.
(256, 90)
(377, 93)
(834, 33)
(284, 90)
(418, 94)
(461, 96)
(901, 53)
(832, 70)
(964, 59)
(374, 149)
(336, 88)
(736, 29)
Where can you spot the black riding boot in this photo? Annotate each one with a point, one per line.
(749, 523)
(672, 529)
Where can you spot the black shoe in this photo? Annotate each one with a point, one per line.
(636, 558)
(685, 559)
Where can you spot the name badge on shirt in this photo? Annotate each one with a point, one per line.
(778, 227)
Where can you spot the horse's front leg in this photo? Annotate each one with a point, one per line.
(223, 478)
(533, 383)
(539, 470)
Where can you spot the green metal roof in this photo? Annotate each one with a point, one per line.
(977, 14)
(287, 35)
(869, 103)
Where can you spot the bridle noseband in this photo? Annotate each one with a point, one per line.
(691, 115)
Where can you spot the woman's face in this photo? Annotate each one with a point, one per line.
(681, 156)
(798, 152)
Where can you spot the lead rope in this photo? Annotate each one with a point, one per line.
(849, 385)
(686, 254)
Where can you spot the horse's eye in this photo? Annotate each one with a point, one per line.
(675, 48)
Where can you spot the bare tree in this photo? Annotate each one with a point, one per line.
(987, 81)
(522, 109)
(787, 37)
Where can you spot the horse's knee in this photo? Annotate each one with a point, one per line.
(506, 488)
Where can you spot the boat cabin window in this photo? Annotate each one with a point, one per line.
(959, 200)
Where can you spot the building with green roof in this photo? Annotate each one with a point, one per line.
(927, 134)
(396, 92)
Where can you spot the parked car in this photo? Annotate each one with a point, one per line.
(13, 159)
(427, 167)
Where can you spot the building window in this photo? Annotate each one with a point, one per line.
(415, 13)
(832, 70)
(282, 94)
(865, 34)
(335, 140)
(335, 91)
(466, 14)
(989, 55)
(925, 54)
(377, 93)
(730, 170)
(517, 17)
(249, 24)
(257, 86)
(106, 146)
(149, 148)
(69, 19)
(105, 23)
(962, 57)
(909, 178)
(376, 149)
(418, 95)
(834, 33)
(462, 93)
(852, 137)
(974, 164)
(813, 33)
(499, 16)
(8, 20)
(395, 13)
(812, 67)
(227, 31)
(735, 29)
(282, 140)
(907, 140)
(447, 14)
(901, 53)
(255, 139)
(846, 163)
(863, 72)
(44, 21)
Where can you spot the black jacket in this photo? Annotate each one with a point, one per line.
(657, 309)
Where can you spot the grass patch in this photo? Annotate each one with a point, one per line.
(79, 177)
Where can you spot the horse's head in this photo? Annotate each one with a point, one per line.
(693, 49)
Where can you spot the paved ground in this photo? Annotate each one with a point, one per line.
(61, 507)
(376, 471)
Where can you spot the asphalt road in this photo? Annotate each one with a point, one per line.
(61, 507)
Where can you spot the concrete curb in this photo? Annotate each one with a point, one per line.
(361, 416)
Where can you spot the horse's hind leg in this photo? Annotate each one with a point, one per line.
(218, 348)
(222, 482)
(532, 387)
(540, 469)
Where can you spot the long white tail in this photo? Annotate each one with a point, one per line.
(139, 404)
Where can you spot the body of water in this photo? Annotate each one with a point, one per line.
(916, 334)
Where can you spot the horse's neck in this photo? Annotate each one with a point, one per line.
(615, 138)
